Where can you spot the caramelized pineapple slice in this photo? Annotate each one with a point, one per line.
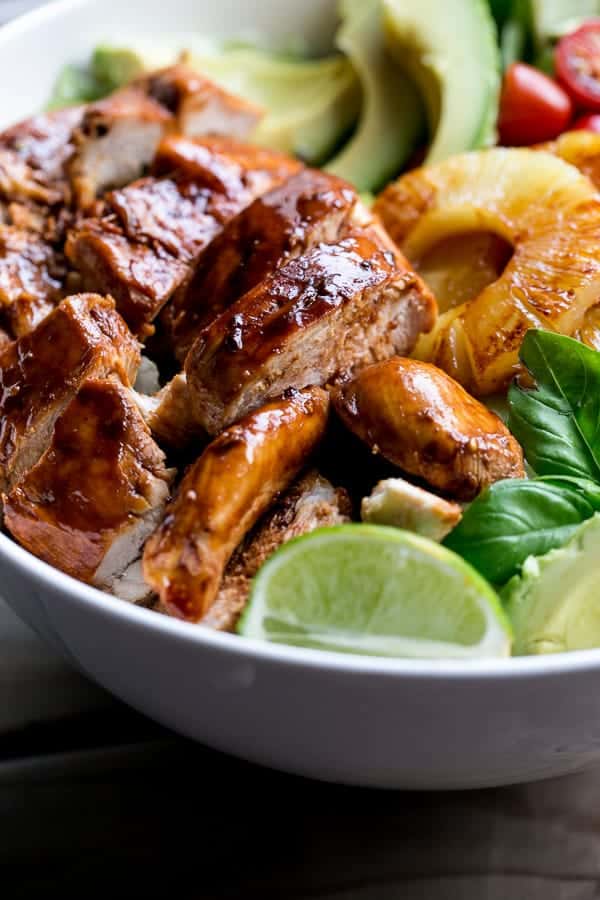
(545, 209)
(581, 149)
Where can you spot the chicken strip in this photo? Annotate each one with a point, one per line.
(199, 105)
(45, 144)
(308, 209)
(145, 247)
(223, 495)
(84, 337)
(118, 136)
(35, 192)
(328, 312)
(32, 274)
(424, 422)
(116, 140)
(309, 504)
(399, 503)
(20, 184)
(97, 492)
(170, 416)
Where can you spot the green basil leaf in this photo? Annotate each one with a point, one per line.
(514, 519)
(558, 421)
(589, 489)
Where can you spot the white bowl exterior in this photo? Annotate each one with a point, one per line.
(383, 723)
(356, 720)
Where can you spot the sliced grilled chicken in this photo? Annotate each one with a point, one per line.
(258, 169)
(44, 143)
(311, 503)
(170, 416)
(399, 503)
(309, 208)
(199, 105)
(116, 140)
(97, 492)
(84, 337)
(424, 422)
(32, 275)
(118, 136)
(144, 248)
(20, 184)
(330, 311)
(223, 495)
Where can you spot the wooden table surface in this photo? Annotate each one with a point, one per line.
(108, 800)
(105, 803)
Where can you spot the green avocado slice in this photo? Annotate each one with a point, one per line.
(311, 104)
(451, 51)
(392, 122)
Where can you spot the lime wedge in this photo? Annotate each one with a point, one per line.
(375, 590)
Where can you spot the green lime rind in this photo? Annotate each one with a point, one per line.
(378, 591)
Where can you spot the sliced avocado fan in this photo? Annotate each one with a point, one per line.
(451, 51)
(392, 122)
(311, 105)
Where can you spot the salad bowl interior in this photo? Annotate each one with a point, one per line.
(356, 720)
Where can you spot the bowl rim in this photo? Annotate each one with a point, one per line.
(38, 14)
(109, 606)
(28, 565)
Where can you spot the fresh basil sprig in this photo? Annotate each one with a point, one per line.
(557, 422)
(514, 519)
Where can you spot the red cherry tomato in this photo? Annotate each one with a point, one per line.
(589, 122)
(533, 107)
(577, 63)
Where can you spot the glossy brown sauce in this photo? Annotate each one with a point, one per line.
(224, 493)
(257, 241)
(293, 298)
(421, 420)
(48, 362)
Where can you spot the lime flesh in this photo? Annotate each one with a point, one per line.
(378, 591)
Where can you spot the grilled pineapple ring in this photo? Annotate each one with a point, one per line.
(546, 210)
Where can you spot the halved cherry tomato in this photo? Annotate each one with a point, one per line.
(533, 107)
(589, 122)
(577, 63)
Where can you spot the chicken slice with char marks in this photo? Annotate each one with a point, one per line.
(32, 275)
(45, 144)
(311, 503)
(328, 312)
(20, 184)
(309, 208)
(170, 415)
(223, 495)
(119, 135)
(145, 247)
(84, 337)
(97, 492)
(199, 105)
(115, 141)
(211, 160)
(424, 422)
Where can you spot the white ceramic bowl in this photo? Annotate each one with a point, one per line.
(389, 723)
